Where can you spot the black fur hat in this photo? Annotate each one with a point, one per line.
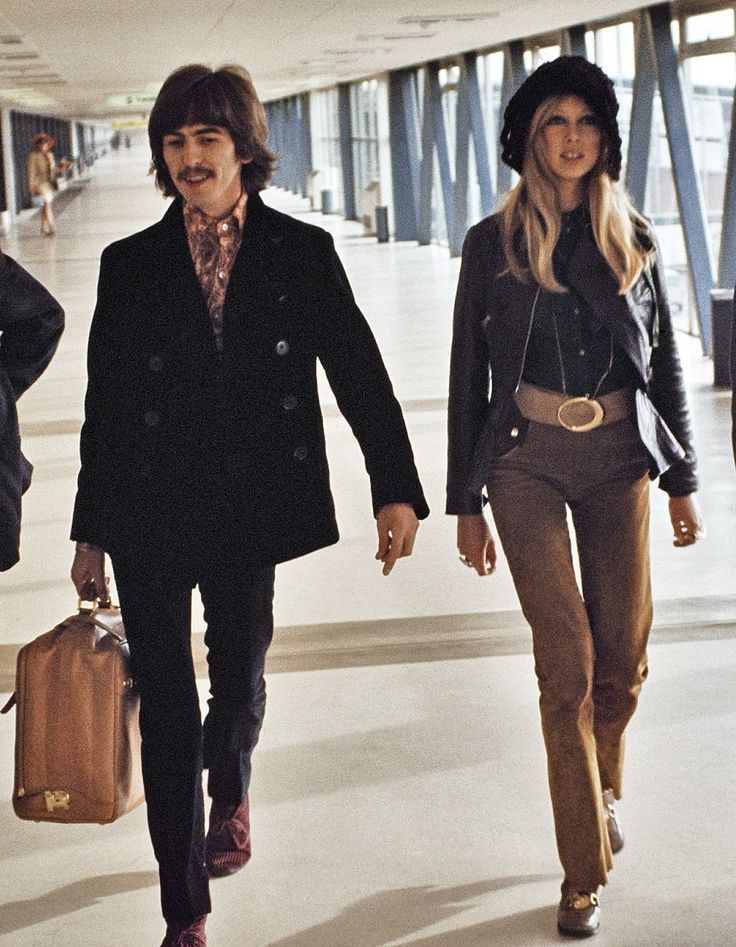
(567, 75)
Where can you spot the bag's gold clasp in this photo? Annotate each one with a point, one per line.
(580, 414)
(56, 799)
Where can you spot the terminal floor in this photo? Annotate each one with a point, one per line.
(399, 793)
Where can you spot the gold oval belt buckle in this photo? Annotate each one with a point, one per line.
(580, 414)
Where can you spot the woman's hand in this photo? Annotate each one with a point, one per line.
(475, 543)
(88, 573)
(687, 523)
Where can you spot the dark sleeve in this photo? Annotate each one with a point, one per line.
(92, 500)
(358, 377)
(469, 375)
(31, 321)
(667, 394)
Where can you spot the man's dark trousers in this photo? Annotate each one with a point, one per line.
(155, 597)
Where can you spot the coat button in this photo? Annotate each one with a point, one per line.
(514, 432)
(282, 347)
(289, 402)
(155, 363)
(152, 418)
(282, 298)
(301, 453)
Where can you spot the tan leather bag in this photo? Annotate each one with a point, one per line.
(77, 746)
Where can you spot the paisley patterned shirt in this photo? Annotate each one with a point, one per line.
(214, 244)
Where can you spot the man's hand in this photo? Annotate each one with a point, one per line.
(397, 526)
(88, 573)
(687, 523)
(475, 543)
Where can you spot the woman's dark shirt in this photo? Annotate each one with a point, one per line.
(584, 349)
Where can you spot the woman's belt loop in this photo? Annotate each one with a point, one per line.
(577, 414)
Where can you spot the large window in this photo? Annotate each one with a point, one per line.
(364, 136)
(326, 145)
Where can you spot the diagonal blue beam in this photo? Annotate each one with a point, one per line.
(434, 136)
(657, 20)
(478, 130)
(513, 75)
(727, 264)
(640, 124)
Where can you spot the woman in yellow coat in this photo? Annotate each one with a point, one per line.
(43, 174)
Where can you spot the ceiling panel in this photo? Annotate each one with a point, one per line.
(93, 59)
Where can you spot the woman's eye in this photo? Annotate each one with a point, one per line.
(589, 120)
(556, 120)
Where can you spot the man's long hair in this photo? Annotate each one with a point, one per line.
(198, 95)
(532, 212)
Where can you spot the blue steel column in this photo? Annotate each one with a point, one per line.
(295, 144)
(469, 120)
(572, 41)
(403, 124)
(433, 135)
(640, 126)
(305, 134)
(727, 265)
(478, 129)
(687, 183)
(513, 75)
(459, 222)
(346, 150)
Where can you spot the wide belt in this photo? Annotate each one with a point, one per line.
(574, 414)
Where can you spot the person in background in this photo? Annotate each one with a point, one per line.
(561, 312)
(31, 323)
(43, 177)
(203, 457)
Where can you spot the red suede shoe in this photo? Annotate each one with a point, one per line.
(227, 847)
(186, 935)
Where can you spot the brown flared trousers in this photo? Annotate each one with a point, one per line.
(589, 640)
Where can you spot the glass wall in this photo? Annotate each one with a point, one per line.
(704, 37)
(364, 137)
(326, 145)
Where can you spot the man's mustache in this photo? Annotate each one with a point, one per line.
(194, 171)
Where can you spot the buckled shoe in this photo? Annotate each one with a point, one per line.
(186, 935)
(613, 823)
(227, 846)
(579, 914)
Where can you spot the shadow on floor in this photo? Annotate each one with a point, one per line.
(16, 915)
(391, 916)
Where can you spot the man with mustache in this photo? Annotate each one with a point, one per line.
(203, 457)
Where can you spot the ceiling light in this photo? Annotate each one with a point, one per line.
(433, 19)
(392, 37)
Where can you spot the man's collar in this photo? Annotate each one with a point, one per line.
(194, 217)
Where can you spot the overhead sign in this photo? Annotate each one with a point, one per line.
(131, 100)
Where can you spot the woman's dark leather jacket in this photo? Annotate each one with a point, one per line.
(493, 312)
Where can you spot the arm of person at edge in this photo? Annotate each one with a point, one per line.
(397, 526)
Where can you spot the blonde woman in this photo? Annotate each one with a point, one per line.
(561, 315)
(43, 174)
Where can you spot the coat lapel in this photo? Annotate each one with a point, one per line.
(255, 277)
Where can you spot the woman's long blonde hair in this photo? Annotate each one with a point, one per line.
(531, 212)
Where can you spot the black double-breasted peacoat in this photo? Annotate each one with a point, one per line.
(492, 322)
(165, 416)
(31, 323)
